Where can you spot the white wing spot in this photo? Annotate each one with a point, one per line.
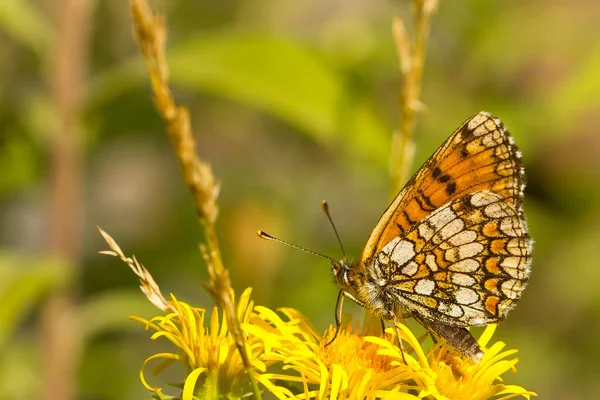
(510, 226)
(463, 279)
(430, 261)
(403, 252)
(451, 309)
(463, 237)
(410, 269)
(512, 288)
(449, 230)
(474, 316)
(425, 231)
(462, 252)
(468, 265)
(492, 126)
(477, 120)
(517, 246)
(470, 250)
(425, 287)
(480, 130)
(503, 153)
(492, 139)
(494, 210)
(483, 198)
(514, 267)
(466, 296)
(440, 218)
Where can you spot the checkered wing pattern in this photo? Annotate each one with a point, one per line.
(452, 250)
(465, 264)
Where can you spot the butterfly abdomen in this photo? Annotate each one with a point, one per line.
(459, 338)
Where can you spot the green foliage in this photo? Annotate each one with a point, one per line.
(578, 94)
(18, 161)
(109, 312)
(27, 25)
(24, 283)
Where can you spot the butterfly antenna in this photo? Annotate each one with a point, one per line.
(325, 207)
(265, 235)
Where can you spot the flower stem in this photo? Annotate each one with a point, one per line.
(150, 32)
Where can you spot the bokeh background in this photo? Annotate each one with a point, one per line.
(292, 102)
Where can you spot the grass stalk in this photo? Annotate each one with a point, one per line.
(150, 31)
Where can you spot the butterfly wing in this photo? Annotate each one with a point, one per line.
(479, 155)
(465, 264)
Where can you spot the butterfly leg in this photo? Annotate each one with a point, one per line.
(339, 312)
(382, 320)
(395, 319)
(433, 337)
(338, 315)
(399, 338)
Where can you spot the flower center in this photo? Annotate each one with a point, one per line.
(352, 352)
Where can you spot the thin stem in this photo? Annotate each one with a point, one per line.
(412, 59)
(151, 36)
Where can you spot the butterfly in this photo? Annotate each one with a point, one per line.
(452, 250)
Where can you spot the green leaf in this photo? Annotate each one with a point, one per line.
(24, 281)
(26, 24)
(111, 311)
(18, 163)
(110, 84)
(285, 79)
(280, 77)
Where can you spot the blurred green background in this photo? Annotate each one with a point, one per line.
(292, 102)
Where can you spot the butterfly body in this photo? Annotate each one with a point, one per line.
(452, 250)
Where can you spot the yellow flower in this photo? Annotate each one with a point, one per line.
(209, 354)
(351, 367)
(356, 366)
(290, 360)
(445, 374)
(480, 381)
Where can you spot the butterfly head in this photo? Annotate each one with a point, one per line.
(341, 272)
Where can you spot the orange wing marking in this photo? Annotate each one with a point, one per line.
(479, 155)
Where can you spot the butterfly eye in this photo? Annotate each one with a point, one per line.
(342, 278)
(345, 277)
(340, 271)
